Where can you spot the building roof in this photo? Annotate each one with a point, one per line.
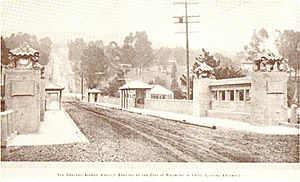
(157, 89)
(231, 81)
(268, 56)
(50, 86)
(24, 50)
(201, 66)
(135, 85)
(94, 90)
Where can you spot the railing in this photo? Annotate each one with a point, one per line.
(8, 126)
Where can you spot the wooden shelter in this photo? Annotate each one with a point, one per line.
(52, 88)
(140, 93)
(93, 95)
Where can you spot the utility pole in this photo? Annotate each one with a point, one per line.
(184, 19)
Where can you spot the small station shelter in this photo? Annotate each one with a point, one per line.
(138, 91)
(93, 95)
(53, 89)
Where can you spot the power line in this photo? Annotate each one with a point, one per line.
(185, 20)
(225, 11)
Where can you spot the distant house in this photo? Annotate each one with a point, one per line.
(159, 92)
(247, 65)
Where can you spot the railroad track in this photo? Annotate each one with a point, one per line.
(185, 146)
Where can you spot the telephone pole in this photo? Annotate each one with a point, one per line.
(185, 19)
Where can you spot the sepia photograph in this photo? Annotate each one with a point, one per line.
(136, 90)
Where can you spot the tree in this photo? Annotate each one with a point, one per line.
(144, 52)
(183, 81)
(176, 89)
(4, 61)
(99, 43)
(227, 72)
(163, 54)
(4, 53)
(227, 61)
(174, 71)
(180, 55)
(44, 45)
(45, 50)
(115, 84)
(220, 72)
(127, 52)
(255, 46)
(94, 60)
(158, 81)
(113, 52)
(174, 84)
(287, 47)
(75, 53)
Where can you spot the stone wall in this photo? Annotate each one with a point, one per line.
(240, 116)
(201, 97)
(109, 100)
(8, 126)
(23, 96)
(264, 99)
(232, 106)
(268, 98)
(115, 101)
(170, 105)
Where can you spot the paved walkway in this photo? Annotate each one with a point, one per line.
(58, 128)
(210, 122)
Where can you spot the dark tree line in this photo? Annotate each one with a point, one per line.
(43, 45)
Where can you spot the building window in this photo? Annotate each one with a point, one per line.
(247, 95)
(230, 94)
(222, 95)
(215, 95)
(240, 95)
(154, 96)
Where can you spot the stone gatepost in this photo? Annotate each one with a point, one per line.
(22, 92)
(24, 88)
(268, 93)
(201, 97)
(43, 98)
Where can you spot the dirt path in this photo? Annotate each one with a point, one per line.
(117, 135)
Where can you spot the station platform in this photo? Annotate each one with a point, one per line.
(57, 128)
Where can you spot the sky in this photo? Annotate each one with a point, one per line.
(225, 25)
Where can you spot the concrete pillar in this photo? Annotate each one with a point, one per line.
(4, 126)
(293, 115)
(43, 99)
(121, 98)
(201, 97)
(23, 96)
(268, 98)
(60, 92)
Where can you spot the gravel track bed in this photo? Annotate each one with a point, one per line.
(117, 135)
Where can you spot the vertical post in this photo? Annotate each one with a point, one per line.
(187, 52)
(121, 97)
(81, 86)
(127, 99)
(60, 100)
